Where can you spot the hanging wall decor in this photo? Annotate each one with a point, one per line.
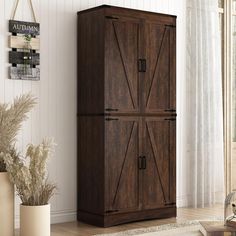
(24, 42)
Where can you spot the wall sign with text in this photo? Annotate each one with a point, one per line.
(25, 44)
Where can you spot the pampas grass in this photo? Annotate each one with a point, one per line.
(11, 118)
(29, 174)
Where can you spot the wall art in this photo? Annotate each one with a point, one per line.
(24, 42)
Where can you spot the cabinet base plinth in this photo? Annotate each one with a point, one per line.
(120, 218)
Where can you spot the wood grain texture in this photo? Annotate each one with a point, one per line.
(138, 143)
(91, 164)
(159, 148)
(23, 27)
(125, 39)
(121, 161)
(19, 42)
(216, 228)
(117, 219)
(163, 18)
(159, 87)
(91, 69)
(24, 58)
(121, 58)
(172, 45)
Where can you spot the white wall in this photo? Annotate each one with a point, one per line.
(55, 114)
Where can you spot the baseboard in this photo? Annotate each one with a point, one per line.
(187, 200)
(63, 217)
(56, 217)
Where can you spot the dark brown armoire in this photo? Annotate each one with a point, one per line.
(126, 115)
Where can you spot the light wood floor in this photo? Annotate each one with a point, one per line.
(183, 214)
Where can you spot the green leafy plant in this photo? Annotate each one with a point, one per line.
(11, 118)
(27, 37)
(29, 173)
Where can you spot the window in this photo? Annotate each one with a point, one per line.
(221, 16)
(233, 84)
(227, 15)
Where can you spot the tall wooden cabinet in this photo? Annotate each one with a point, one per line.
(126, 115)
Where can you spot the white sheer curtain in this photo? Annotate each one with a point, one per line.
(201, 168)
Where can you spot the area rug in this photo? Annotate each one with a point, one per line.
(191, 228)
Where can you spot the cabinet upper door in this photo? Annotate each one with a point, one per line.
(121, 58)
(121, 164)
(159, 79)
(159, 174)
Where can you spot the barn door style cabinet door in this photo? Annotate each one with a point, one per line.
(126, 115)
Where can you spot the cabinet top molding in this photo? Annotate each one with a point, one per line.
(115, 12)
(124, 9)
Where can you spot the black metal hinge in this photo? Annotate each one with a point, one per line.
(170, 204)
(112, 109)
(142, 65)
(170, 110)
(172, 26)
(171, 119)
(112, 211)
(112, 119)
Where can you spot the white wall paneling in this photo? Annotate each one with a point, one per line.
(55, 113)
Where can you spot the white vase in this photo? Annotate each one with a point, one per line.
(6, 205)
(35, 220)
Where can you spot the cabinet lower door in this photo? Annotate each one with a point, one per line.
(121, 164)
(158, 176)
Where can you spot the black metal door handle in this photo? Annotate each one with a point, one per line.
(142, 65)
(144, 164)
(140, 162)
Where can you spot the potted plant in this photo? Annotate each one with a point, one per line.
(30, 178)
(11, 118)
